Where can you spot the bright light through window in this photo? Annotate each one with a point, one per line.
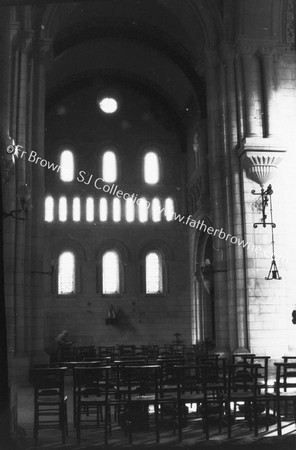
(143, 210)
(169, 209)
(63, 209)
(116, 210)
(89, 209)
(108, 105)
(151, 168)
(129, 210)
(156, 210)
(109, 167)
(67, 166)
(110, 277)
(66, 273)
(103, 209)
(153, 273)
(76, 209)
(48, 209)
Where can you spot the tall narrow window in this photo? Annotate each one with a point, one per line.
(143, 209)
(110, 275)
(63, 209)
(89, 209)
(151, 168)
(154, 275)
(76, 213)
(48, 209)
(67, 166)
(109, 167)
(169, 209)
(156, 210)
(129, 210)
(116, 210)
(66, 273)
(103, 209)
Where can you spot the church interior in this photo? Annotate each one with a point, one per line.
(147, 160)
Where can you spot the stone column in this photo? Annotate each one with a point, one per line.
(235, 198)
(251, 71)
(7, 388)
(21, 179)
(270, 96)
(215, 126)
(41, 48)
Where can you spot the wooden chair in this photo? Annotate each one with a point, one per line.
(92, 395)
(200, 384)
(50, 402)
(242, 389)
(143, 392)
(285, 391)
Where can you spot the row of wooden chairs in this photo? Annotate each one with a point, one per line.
(132, 387)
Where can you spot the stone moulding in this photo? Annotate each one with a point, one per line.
(260, 158)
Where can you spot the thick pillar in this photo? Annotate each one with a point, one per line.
(41, 47)
(235, 200)
(215, 126)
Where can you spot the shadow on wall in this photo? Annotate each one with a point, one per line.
(125, 324)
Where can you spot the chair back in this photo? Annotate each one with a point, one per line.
(48, 381)
(242, 377)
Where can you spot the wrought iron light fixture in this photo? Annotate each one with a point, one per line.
(266, 194)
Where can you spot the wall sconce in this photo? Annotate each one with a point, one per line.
(273, 273)
(25, 204)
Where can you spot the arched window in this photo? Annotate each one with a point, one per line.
(154, 273)
(129, 210)
(63, 209)
(143, 206)
(151, 168)
(116, 210)
(67, 166)
(110, 273)
(169, 209)
(76, 212)
(103, 209)
(109, 171)
(48, 209)
(66, 273)
(156, 210)
(89, 209)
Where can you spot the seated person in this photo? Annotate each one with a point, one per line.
(62, 340)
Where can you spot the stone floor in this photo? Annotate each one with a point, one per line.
(193, 437)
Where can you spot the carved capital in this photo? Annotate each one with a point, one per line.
(260, 158)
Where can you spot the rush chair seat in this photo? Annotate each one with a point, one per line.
(50, 402)
(285, 391)
(92, 397)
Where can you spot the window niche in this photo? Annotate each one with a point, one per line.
(155, 258)
(112, 258)
(67, 259)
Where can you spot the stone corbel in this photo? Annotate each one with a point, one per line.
(260, 158)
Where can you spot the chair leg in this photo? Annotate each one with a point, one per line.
(278, 417)
(228, 410)
(36, 413)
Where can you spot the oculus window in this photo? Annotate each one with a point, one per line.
(108, 104)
